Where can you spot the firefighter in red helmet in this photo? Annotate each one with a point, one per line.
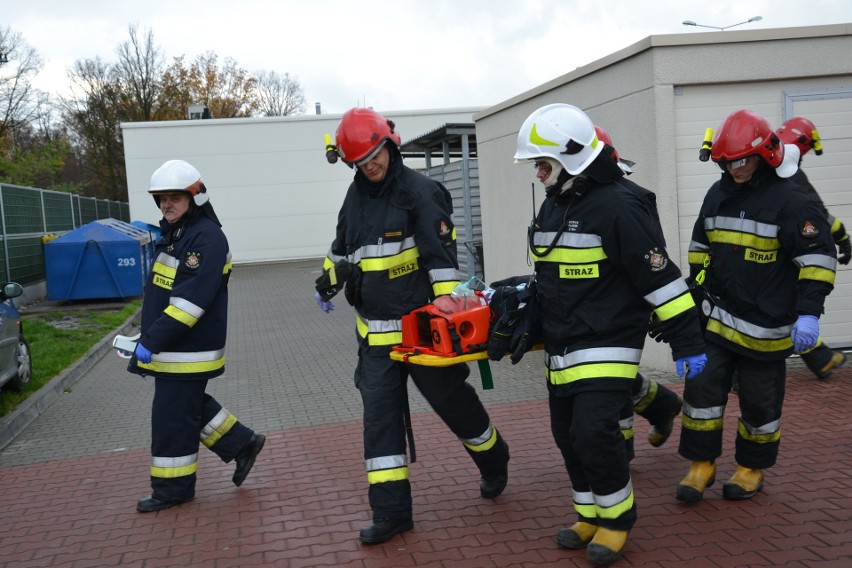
(395, 251)
(822, 360)
(763, 254)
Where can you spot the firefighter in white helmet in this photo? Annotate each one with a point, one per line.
(182, 342)
(601, 269)
(651, 400)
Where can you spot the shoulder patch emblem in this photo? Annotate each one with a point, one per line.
(192, 260)
(444, 230)
(656, 260)
(809, 231)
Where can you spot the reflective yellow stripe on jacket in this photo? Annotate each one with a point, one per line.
(594, 363)
(380, 332)
(749, 335)
(571, 248)
(185, 363)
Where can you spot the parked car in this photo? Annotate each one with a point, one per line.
(15, 363)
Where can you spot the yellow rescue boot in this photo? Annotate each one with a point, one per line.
(701, 475)
(606, 546)
(576, 536)
(837, 360)
(744, 484)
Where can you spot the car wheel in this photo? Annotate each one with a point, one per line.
(24, 373)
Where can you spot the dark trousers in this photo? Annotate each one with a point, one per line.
(653, 401)
(761, 397)
(585, 428)
(818, 357)
(382, 383)
(180, 411)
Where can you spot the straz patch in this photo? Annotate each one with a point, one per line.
(402, 269)
(192, 260)
(761, 256)
(809, 231)
(656, 260)
(579, 271)
(163, 281)
(444, 229)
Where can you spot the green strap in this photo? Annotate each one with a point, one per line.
(485, 374)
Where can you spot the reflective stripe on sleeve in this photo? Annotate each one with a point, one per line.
(380, 332)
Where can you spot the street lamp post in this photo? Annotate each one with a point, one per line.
(722, 28)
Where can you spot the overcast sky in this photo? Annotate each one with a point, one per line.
(389, 54)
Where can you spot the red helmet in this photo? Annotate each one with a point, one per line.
(604, 137)
(801, 132)
(746, 133)
(361, 133)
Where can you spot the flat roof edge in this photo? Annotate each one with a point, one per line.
(672, 40)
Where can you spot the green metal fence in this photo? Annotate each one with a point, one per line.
(28, 214)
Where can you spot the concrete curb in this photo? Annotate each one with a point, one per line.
(17, 421)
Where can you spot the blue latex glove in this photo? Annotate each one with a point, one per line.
(805, 333)
(143, 355)
(691, 366)
(323, 305)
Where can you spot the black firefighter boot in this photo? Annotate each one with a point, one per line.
(245, 460)
(822, 360)
(383, 530)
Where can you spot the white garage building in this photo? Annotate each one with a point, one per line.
(269, 181)
(656, 98)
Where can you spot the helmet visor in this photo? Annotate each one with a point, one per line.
(373, 153)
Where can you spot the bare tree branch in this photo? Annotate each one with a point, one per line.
(18, 98)
(279, 95)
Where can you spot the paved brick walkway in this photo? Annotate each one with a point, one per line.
(71, 480)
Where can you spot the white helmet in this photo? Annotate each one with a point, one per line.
(177, 175)
(560, 131)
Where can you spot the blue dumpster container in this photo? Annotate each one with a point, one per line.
(153, 229)
(104, 259)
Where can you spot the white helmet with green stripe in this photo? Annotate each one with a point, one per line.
(562, 132)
